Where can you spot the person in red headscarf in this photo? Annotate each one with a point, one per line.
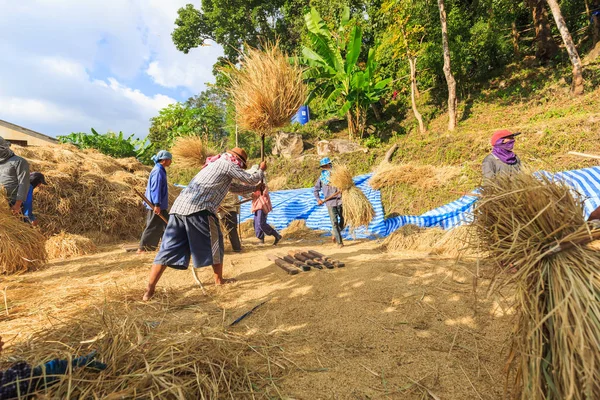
(502, 159)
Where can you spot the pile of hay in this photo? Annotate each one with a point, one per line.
(247, 229)
(21, 246)
(422, 176)
(88, 193)
(277, 183)
(267, 90)
(190, 152)
(149, 359)
(66, 245)
(536, 226)
(456, 243)
(357, 209)
(298, 230)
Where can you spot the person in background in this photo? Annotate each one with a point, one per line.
(334, 204)
(261, 207)
(35, 180)
(228, 212)
(157, 191)
(14, 177)
(193, 232)
(502, 159)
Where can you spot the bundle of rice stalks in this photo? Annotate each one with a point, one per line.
(267, 90)
(247, 229)
(357, 209)
(65, 245)
(412, 237)
(422, 176)
(297, 230)
(536, 226)
(21, 246)
(150, 359)
(458, 242)
(190, 152)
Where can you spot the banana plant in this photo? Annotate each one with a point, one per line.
(334, 72)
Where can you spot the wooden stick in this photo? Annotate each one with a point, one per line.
(297, 263)
(325, 263)
(145, 199)
(336, 263)
(575, 153)
(287, 267)
(331, 197)
(299, 257)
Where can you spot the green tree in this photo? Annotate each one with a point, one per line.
(335, 73)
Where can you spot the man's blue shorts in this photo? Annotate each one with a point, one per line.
(196, 236)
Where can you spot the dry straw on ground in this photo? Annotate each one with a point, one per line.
(21, 246)
(536, 226)
(422, 176)
(457, 242)
(297, 229)
(190, 152)
(267, 89)
(66, 245)
(357, 209)
(88, 193)
(148, 360)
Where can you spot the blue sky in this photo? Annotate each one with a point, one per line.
(70, 65)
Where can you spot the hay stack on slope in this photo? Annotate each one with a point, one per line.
(358, 211)
(21, 246)
(537, 226)
(422, 176)
(65, 245)
(190, 152)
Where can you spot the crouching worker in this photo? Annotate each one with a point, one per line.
(261, 207)
(157, 191)
(35, 180)
(193, 230)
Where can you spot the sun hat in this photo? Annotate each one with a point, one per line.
(325, 161)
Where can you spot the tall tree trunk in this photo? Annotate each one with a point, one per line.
(452, 102)
(412, 61)
(577, 86)
(515, 40)
(546, 47)
(375, 108)
(351, 126)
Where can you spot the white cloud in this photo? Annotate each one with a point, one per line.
(68, 65)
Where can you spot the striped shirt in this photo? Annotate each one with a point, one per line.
(210, 186)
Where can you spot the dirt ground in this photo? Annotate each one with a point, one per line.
(387, 326)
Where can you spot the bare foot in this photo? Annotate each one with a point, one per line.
(223, 281)
(149, 293)
(140, 251)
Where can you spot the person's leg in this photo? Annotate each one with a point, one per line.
(231, 224)
(334, 224)
(266, 228)
(155, 227)
(339, 217)
(341, 223)
(155, 273)
(258, 216)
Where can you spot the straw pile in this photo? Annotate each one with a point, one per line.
(422, 176)
(21, 246)
(357, 209)
(150, 359)
(66, 245)
(298, 230)
(88, 193)
(267, 90)
(456, 243)
(247, 229)
(536, 226)
(190, 152)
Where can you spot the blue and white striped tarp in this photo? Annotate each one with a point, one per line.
(289, 205)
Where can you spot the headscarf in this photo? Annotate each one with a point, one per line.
(5, 151)
(161, 155)
(227, 156)
(504, 151)
(325, 176)
(37, 178)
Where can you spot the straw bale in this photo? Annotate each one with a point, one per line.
(247, 229)
(21, 246)
(65, 245)
(297, 230)
(190, 152)
(358, 210)
(535, 233)
(341, 177)
(267, 90)
(412, 237)
(148, 359)
(423, 176)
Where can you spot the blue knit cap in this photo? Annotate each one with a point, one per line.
(325, 161)
(162, 155)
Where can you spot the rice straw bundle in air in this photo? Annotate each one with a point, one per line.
(267, 90)
(65, 245)
(536, 225)
(21, 246)
(190, 152)
(358, 210)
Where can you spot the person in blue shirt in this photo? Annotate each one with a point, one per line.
(333, 203)
(35, 180)
(157, 191)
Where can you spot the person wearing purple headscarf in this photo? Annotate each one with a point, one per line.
(502, 159)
